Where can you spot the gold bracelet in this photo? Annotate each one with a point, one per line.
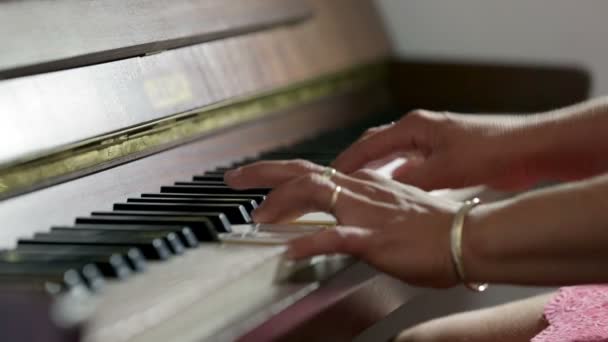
(456, 245)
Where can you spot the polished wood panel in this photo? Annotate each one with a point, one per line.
(40, 36)
(51, 110)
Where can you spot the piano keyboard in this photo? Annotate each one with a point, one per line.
(183, 220)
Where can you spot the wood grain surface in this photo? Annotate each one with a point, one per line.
(45, 111)
(40, 36)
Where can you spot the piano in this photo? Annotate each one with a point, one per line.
(119, 119)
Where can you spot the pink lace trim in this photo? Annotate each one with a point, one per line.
(577, 314)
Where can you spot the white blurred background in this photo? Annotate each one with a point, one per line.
(555, 31)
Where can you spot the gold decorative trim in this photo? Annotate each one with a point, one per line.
(95, 153)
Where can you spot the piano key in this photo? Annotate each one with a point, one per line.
(223, 169)
(168, 236)
(205, 228)
(248, 204)
(134, 257)
(210, 189)
(219, 178)
(258, 199)
(216, 173)
(235, 213)
(67, 280)
(154, 249)
(46, 286)
(111, 265)
(202, 182)
(185, 234)
(55, 271)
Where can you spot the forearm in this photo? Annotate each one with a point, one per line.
(555, 236)
(565, 144)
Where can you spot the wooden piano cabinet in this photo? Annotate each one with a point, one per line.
(31, 318)
(340, 310)
(487, 87)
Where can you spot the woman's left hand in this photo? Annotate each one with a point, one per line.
(399, 229)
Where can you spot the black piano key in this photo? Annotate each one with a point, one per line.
(41, 285)
(210, 189)
(169, 237)
(215, 173)
(257, 198)
(217, 178)
(202, 182)
(208, 224)
(235, 213)
(53, 271)
(155, 249)
(218, 222)
(185, 234)
(66, 281)
(134, 257)
(248, 204)
(111, 265)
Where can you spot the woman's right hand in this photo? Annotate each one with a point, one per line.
(448, 150)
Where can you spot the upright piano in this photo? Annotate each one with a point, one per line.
(119, 119)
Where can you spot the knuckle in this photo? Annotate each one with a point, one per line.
(304, 164)
(422, 115)
(311, 186)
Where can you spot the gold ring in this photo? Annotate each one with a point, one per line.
(328, 173)
(334, 197)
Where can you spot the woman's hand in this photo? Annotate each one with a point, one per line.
(400, 230)
(448, 150)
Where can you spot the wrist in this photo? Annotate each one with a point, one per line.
(479, 252)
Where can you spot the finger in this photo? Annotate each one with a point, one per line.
(371, 131)
(343, 240)
(392, 139)
(269, 174)
(429, 174)
(312, 193)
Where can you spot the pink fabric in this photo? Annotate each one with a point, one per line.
(577, 314)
